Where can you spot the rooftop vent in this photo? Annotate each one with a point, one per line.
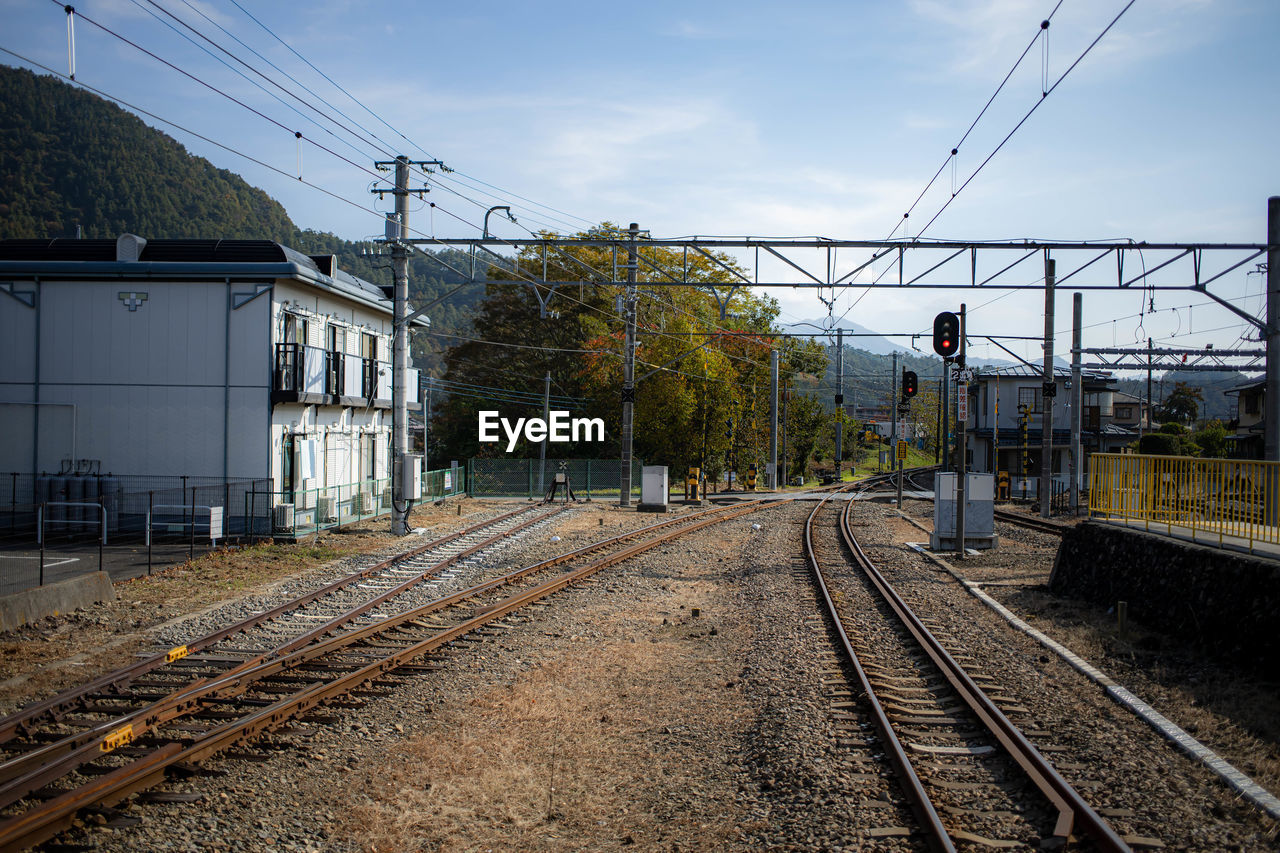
(129, 247)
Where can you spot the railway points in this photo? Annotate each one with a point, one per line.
(705, 656)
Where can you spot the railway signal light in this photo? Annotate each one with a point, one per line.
(909, 381)
(946, 335)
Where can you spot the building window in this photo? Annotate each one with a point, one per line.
(1250, 403)
(1029, 399)
(1092, 418)
(334, 375)
(1124, 413)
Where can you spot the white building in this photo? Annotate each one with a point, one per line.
(207, 360)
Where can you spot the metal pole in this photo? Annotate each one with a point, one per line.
(542, 451)
(945, 433)
(151, 502)
(773, 421)
(839, 403)
(962, 441)
(400, 353)
(629, 371)
(1271, 391)
(1046, 420)
(1271, 398)
(102, 538)
(40, 535)
(1077, 402)
(937, 435)
(191, 553)
(893, 427)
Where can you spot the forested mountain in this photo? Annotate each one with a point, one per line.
(70, 160)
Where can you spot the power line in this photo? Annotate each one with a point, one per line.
(1043, 97)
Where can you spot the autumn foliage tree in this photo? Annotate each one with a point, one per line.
(702, 379)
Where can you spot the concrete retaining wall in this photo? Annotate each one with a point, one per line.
(1225, 602)
(27, 606)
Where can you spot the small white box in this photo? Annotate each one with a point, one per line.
(654, 489)
(411, 477)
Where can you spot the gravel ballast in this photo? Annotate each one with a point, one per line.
(681, 700)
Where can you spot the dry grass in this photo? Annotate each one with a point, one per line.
(599, 749)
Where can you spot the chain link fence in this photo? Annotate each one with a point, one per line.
(594, 479)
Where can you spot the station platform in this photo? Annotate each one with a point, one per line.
(1209, 535)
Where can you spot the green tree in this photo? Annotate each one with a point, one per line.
(1183, 404)
(1212, 439)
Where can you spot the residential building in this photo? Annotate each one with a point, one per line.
(1006, 422)
(218, 360)
(1248, 426)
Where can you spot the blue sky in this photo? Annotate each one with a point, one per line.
(736, 118)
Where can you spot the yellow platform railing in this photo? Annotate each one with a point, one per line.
(1222, 500)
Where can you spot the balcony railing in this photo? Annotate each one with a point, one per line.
(334, 378)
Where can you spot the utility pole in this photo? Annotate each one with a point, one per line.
(893, 426)
(839, 403)
(1077, 401)
(786, 396)
(1271, 391)
(1150, 411)
(629, 370)
(773, 420)
(546, 413)
(398, 236)
(962, 441)
(1047, 390)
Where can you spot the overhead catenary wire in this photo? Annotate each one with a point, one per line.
(1043, 97)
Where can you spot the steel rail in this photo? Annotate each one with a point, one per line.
(44, 756)
(45, 820)
(1070, 805)
(62, 702)
(935, 832)
(1029, 523)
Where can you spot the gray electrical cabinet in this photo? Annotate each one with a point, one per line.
(979, 512)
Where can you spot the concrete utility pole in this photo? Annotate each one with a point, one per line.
(839, 403)
(962, 441)
(1271, 392)
(397, 234)
(774, 482)
(629, 370)
(400, 352)
(542, 453)
(1046, 440)
(1077, 402)
(894, 402)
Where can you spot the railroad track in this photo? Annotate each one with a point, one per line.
(114, 744)
(947, 741)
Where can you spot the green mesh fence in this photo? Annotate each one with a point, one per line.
(528, 478)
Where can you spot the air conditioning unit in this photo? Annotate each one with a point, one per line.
(306, 499)
(283, 517)
(326, 510)
(362, 503)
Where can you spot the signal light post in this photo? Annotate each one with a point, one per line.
(948, 342)
(909, 381)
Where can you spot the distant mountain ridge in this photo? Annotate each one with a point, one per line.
(73, 162)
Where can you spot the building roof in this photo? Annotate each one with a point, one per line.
(1022, 371)
(185, 259)
(1251, 385)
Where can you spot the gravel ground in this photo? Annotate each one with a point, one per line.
(687, 699)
